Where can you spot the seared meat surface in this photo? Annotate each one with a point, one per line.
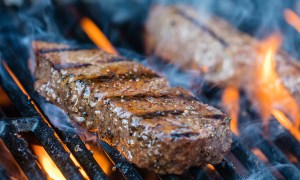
(227, 57)
(153, 125)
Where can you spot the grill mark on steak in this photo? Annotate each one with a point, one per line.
(154, 96)
(44, 51)
(203, 27)
(60, 66)
(70, 65)
(114, 77)
(142, 106)
(152, 115)
(115, 59)
(214, 116)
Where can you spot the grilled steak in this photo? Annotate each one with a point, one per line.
(195, 40)
(154, 126)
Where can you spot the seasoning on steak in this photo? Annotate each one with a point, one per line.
(153, 125)
(196, 40)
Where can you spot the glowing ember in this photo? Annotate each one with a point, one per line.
(266, 89)
(230, 102)
(292, 19)
(47, 163)
(96, 35)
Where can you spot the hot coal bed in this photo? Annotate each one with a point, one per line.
(255, 153)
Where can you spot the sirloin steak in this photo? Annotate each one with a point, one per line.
(153, 125)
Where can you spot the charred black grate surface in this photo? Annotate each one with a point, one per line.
(45, 134)
(273, 153)
(17, 145)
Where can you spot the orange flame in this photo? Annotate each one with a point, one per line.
(260, 154)
(96, 35)
(4, 99)
(230, 101)
(104, 162)
(211, 167)
(47, 163)
(292, 19)
(49, 166)
(268, 91)
(285, 122)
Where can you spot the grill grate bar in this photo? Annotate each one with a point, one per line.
(128, 170)
(199, 174)
(274, 155)
(227, 170)
(249, 160)
(285, 139)
(19, 149)
(49, 142)
(84, 157)
(45, 133)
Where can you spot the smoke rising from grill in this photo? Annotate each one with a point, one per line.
(61, 120)
(58, 117)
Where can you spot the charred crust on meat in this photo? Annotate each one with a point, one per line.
(202, 26)
(152, 115)
(69, 65)
(218, 116)
(43, 51)
(150, 95)
(115, 59)
(115, 77)
(180, 134)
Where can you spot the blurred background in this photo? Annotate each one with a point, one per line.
(122, 21)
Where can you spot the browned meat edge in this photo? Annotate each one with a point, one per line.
(154, 126)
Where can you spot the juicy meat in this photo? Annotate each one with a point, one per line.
(154, 126)
(226, 56)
